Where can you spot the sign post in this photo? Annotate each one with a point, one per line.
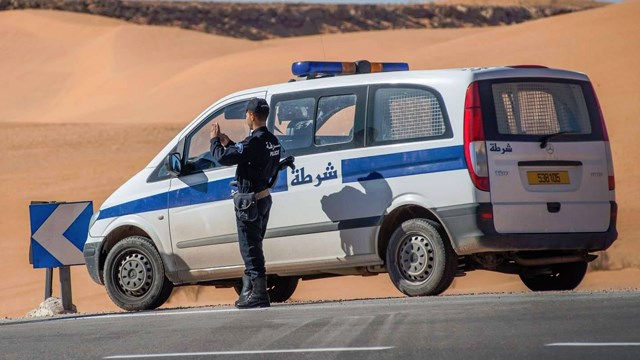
(65, 287)
(48, 279)
(58, 233)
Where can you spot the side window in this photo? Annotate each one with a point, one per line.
(404, 114)
(232, 122)
(293, 123)
(335, 119)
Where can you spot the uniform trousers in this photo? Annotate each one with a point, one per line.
(250, 236)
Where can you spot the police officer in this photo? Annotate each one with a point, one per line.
(257, 158)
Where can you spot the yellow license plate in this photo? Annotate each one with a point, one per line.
(548, 177)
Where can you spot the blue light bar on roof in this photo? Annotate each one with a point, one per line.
(306, 68)
(314, 68)
(391, 67)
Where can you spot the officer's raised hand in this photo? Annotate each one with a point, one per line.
(215, 130)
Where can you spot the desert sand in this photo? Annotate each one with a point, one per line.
(86, 101)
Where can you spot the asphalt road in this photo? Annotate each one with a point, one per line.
(569, 325)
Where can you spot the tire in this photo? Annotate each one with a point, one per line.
(420, 259)
(165, 293)
(280, 288)
(147, 287)
(564, 277)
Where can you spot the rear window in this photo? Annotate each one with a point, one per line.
(538, 107)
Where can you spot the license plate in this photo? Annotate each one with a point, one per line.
(548, 177)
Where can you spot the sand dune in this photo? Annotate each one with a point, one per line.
(89, 68)
(86, 101)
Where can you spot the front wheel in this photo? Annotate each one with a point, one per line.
(134, 275)
(563, 277)
(420, 259)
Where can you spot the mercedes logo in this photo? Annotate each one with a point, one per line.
(550, 149)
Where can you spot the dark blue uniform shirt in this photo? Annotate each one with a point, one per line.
(257, 158)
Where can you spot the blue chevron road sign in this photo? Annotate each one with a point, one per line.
(58, 233)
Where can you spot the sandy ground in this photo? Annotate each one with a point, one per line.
(86, 101)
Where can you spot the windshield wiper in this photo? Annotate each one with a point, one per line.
(544, 140)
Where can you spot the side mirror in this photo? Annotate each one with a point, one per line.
(174, 164)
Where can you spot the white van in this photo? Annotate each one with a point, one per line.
(422, 174)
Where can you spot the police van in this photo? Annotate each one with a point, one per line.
(424, 175)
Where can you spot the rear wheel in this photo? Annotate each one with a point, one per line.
(134, 275)
(563, 277)
(280, 288)
(420, 260)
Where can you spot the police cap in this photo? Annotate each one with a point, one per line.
(258, 106)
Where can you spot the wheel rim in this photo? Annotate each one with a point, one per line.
(415, 258)
(133, 273)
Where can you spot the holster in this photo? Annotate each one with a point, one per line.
(246, 207)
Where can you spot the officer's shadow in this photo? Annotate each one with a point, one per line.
(355, 211)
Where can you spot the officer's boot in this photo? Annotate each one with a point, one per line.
(246, 290)
(259, 297)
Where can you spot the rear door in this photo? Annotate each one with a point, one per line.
(540, 182)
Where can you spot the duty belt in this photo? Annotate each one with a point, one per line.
(262, 194)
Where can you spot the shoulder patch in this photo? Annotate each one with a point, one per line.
(240, 147)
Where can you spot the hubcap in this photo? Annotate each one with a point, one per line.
(415, 258)
(135, 274)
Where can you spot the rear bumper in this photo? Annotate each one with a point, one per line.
(471, 233)
(91, 253)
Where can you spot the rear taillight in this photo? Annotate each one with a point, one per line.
(605, 138)
(612, 182)
(475, 151)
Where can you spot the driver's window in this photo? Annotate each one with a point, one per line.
(232, 122)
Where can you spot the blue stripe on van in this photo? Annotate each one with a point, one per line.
(388, 165)
(149, 203)
(211, 191)
(216, 190)
(404, 163)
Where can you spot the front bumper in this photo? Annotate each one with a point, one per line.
(91, 253)
(472, 233)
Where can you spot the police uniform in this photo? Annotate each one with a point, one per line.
(257, 157)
